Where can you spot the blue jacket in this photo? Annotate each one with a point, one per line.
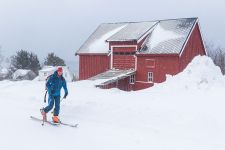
(55, 83)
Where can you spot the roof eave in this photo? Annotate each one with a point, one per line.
(91, 54)
(125, 40)
(160, 55)
(147, 32)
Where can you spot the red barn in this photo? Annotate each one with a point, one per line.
(135, 55)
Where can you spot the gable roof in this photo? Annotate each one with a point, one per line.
(168, 37)
(96, 43)
(164, 36)
(132, 31)
(111, 76)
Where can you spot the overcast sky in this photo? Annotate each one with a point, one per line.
(61, 26)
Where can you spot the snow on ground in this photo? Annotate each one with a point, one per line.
(185, 112)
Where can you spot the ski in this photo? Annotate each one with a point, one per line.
(54, 124)
(70, 125)
(48, 122)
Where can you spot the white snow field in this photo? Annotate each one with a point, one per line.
(187, 112)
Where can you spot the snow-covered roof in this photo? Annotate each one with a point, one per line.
(168, 37)
(133, 31)
(111, 76)
(96, 43)
(164, 36)
(20, 73)
(48, 69)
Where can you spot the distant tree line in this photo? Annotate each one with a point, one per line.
(29, 60)
(217, 53)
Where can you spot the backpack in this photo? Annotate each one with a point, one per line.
(46, 89)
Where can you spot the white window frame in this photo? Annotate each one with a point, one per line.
(150, 76)
(132, 79)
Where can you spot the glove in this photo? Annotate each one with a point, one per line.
(65, 95)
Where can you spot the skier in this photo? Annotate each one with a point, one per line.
(54, 85)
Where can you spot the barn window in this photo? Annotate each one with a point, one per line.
(150, 76)
(132, 79)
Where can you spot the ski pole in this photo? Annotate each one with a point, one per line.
(45, 96)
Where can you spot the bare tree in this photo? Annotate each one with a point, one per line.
(1, 57)
(217, 54)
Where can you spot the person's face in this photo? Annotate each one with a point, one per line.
(60, 73)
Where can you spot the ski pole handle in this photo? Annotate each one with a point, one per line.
(45, 96)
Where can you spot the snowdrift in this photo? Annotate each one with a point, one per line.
(201, 73)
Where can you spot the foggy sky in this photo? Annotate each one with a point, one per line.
(62, 26)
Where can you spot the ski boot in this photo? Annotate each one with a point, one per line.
(55, 119)
(43, 113)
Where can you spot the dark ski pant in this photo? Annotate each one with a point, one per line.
(51, 101)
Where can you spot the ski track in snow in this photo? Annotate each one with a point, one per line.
(185, 112)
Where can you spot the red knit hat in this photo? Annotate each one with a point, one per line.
(59, 69)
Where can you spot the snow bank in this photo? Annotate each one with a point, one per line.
(201, 73)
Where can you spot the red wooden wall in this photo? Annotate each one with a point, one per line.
(160, 65)
(168, 64)
(122, 43)
(123, 62)
(124, 49)
(193, 48)
(91, 65)
(122, 84)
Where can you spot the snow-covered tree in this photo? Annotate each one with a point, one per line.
(25, 60)
(53, 60)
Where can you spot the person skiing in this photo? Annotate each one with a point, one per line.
(54, 85)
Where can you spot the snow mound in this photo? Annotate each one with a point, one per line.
(23, 74)
(201, 73)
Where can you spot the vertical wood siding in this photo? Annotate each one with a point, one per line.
(159, 65)
(91, 65)
(193, 48)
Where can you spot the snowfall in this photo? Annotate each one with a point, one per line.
(186, 112)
